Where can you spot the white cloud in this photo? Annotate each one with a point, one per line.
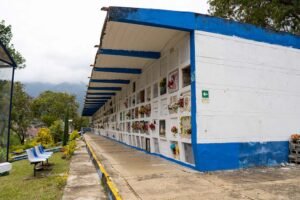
(57, 37)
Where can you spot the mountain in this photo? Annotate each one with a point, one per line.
(79, 90)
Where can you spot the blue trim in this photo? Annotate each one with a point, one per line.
(130, 53)
(97, 102)
(91, 103)
(154, 154)
(101, 93)
(193, 97)
(224, 156)
(105, 88)
(192, 21)
(98, 98)
(118, 70)
(117, 81)
(153, 17)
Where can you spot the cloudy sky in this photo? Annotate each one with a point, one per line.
(57, 36)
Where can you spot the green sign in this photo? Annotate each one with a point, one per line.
(205, 94)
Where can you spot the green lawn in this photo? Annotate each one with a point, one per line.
(21, 184)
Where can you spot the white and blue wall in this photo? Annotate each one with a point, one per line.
(252, 78)
(253, 105)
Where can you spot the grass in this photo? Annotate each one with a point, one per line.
(48, 184)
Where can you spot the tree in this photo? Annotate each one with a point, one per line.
(66, 130)
(5, 37)
(56, 130)
(279, 15)
(79, 122)
(44, 137)
(51, 106)
(21, 115)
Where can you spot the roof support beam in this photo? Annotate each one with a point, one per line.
(116, 81)
(99, 98)
(130, 53)
(118, 70)
(105, 88)
(101, 93)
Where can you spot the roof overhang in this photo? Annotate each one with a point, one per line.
(5, 58)
(132, 38)
(124, 51)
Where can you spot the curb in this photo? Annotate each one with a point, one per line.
(104, 176)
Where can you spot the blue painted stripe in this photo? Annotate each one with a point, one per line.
(95, 101)
(101, 93)
(118, 70)
(192, 21)
(105, 88)
(130, 53)
(193, 97)
(117, 81)
(224, 156)
(93, 104)
(99, 98)
(98, 102)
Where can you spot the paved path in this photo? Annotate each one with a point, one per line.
(83, 181)
(138, 175)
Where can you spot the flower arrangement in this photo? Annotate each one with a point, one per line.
(152, 126)
(174, 130)
(145, 127)
(174, 148)
(162, 83)
(295, 137)
(173, 107)
(171, 84)
(148, 109)
(188, 131)
(142, 110)
(145, 109)
(128, 114)
(126, 104)
(181, 102)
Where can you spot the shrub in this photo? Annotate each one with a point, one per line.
(74, 135)
(44, 137)
(56, 130)
(2, 155)
(61, 180)
(69, 149)
(30, 143)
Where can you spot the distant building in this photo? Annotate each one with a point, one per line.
(7, 66)
(32, 131)
(203, 91)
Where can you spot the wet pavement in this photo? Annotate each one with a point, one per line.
(138, 175)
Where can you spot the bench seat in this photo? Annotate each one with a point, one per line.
(5, 167)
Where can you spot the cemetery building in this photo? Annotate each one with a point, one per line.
(201, 91)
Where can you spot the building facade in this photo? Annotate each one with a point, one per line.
(204, 92)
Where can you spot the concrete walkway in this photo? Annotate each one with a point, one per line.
(83, 181)
(138, 175)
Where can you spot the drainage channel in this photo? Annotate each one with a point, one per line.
(109, 187)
